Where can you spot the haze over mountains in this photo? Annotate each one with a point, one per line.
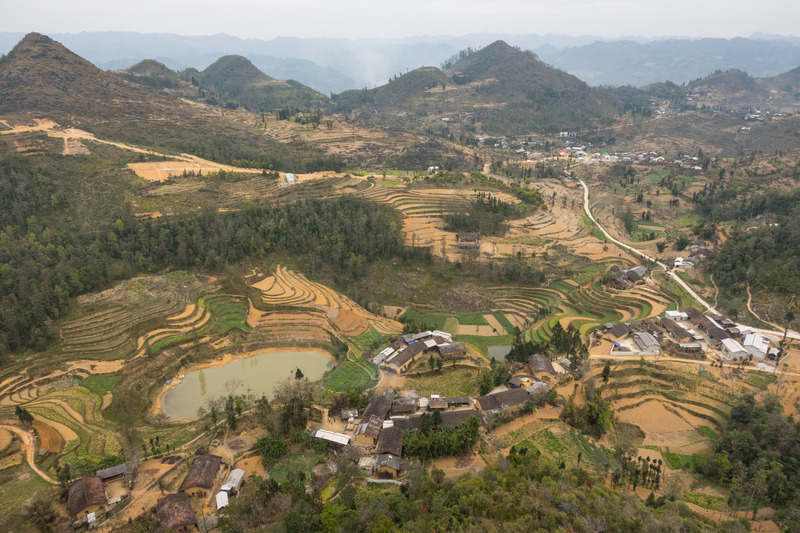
(334, 65)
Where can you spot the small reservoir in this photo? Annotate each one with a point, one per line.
(257, 374)
(499, 352)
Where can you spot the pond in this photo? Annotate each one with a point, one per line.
(499, 352)
(259, 374)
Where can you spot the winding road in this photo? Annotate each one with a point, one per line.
(30, 450)
(708, 307)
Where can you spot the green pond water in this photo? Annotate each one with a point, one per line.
(257, 374)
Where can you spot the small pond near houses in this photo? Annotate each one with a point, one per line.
(499, 352)
(259, 374)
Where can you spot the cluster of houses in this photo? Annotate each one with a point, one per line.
(87, 497)
(698, 251)
(375, 439)
(404, 351)
(691, 332)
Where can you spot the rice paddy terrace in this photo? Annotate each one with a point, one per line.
(680, 410)
(583, 307)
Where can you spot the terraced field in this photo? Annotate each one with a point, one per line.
(585, 307)
(328, 310)
(678, 411)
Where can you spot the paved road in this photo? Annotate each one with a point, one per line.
(30, 449)
(671, 273)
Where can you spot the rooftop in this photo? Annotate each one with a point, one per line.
(203, 472)
(85, 492)
(175, 511)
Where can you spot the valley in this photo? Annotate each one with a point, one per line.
(398, 306)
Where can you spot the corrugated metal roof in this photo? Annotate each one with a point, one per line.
(331, 436)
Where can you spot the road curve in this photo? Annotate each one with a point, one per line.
(670, 273)
(30, 451)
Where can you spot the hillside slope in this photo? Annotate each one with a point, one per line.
(504, 90)
(236, 78)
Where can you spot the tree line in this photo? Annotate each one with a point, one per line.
(43, 267)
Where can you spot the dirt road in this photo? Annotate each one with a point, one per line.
(30, 451)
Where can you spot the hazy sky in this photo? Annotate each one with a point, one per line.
(266, 19)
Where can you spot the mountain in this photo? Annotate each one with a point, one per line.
(679, 60)
(236, 78)
(153, 74)
(501, 88)
(734, 87)
(40, 77)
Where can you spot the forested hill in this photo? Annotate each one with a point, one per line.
(764, 251)
(236, 78)
(504, 89)
(49, 254)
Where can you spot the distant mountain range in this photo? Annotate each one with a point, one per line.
(335, 65)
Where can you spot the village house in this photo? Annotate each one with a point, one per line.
(86, 495)
(676, 332)
(449, 418)
(646, 343)
(202, 474)
(618, 332)
(733, 351)
(379, 406)
(367, 433)
(174, 513)
(538, 389)
(511, 399)
(756, 345)
(467, 239)
(387, 466)
(390, 441)
(540, 364)
(404, 405)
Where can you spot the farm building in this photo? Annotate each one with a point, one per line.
(514, 383)
(677, 316)
(499, 401)
(756, 345)
(734, 351)
(677, 332)
(646, 343)
(222, 500)
(335, 440)
(404, 406)
(390, 441)
(108, 474)
(367, 433)
(379, 405)
(174, 513)
(618, 332)
(453, 349)
(468, 239)
(387, 465)
(404, 358)
(458, 401)
(437, 404)
(87, 495)
(234, 482)
(538, 388)
(200, 479)
(540, 363)
(449, 418)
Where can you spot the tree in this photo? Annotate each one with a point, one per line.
(298, 374)
(271, 448)
(295, 395)
(606, 371)
(40, 512)
(24, 415)
(661, 246)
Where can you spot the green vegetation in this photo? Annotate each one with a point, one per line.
(706, 501)
(760, 379)
(433, 441)
(472, 319)
(527, 490)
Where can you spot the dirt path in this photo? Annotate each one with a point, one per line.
(30, 451)
(752, 311)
